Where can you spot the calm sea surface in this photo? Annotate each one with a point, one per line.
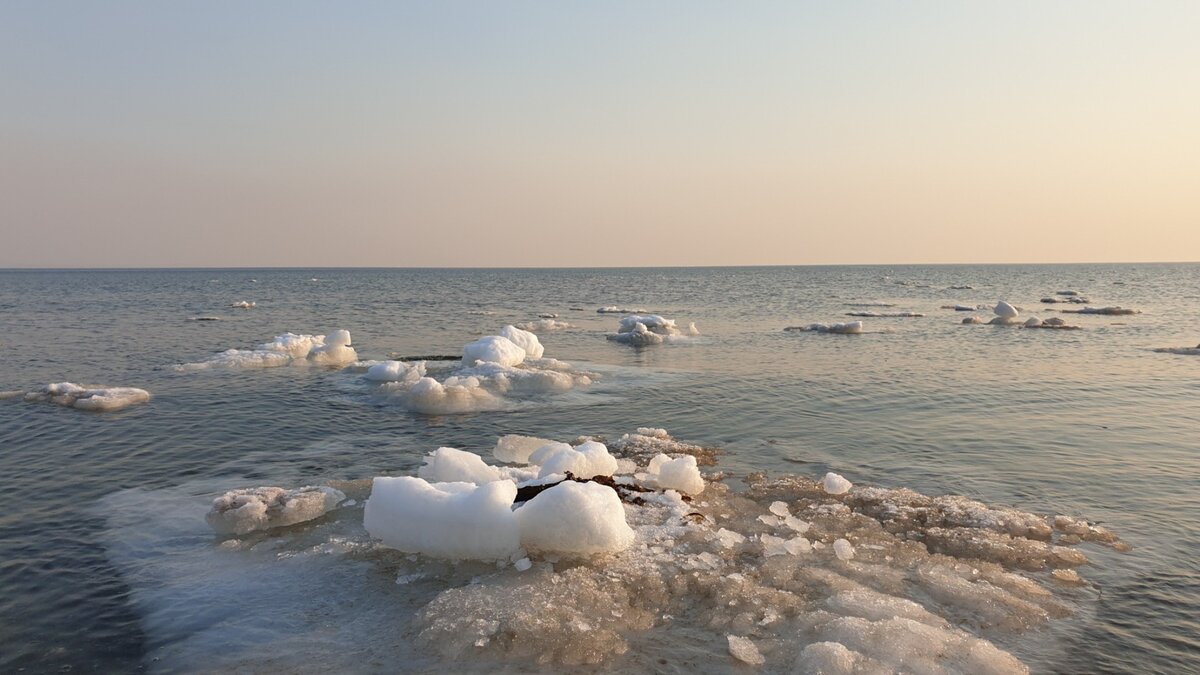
(1089, 422)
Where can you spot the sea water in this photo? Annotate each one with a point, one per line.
(106, 562)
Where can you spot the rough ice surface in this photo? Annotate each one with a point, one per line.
(646, 442)
(493, 349)
(586, 460)
(744, 650)
(90, 397)
(835, 484)
(516, 449)
(1107, 311)
(649, 329)
(850, 328)
(286, 349)
(886, 315)
(1005, 310)
(940, 584)
(680, 473)
(450, 465)
(445, 520)
(576, 519)
(264, 508)
(525, 340)
(544, 325)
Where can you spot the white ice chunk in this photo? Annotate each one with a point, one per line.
(449, 465)
(1005, 310)
(744, 650)
(516, 449)
(1033, 322)
(680, 473)
(493, 349)
(455, 395)
(525, 340)
(588, 460)
(96, 398)
(835, 484)
(574, 518)
(265, 508)
(396, 371)
(445, 520)
(843, 549)
(850, 328)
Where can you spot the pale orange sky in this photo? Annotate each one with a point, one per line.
(526, 134)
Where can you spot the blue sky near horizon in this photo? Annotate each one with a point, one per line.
(621, 133)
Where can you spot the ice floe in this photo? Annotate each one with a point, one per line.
(886, 315)
(614, 309)
(286, 349)
(849, 328)
(869, 580)
(264, 508)
(545, 325)
(83, 397)
(649, 329)
(1106, 311)
(1186, 351)
(242, 304)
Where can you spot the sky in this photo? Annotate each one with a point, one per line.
(257, 133)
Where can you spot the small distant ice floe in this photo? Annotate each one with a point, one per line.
(480, 312)
(967, 308)
(961, 288)
(613, 309)
(204, 318)
(287, 349)
(1074, 300)
(81, 397)
(640, 330)
(1107, 311)
(849, 328)
(1186, 351)
(1009, 315)
(547, 315)
(870, 304)
(544, 325)
(886, 315)
(242, 304)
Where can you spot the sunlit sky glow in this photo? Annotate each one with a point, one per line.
(221, 133)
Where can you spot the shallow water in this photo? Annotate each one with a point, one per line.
(1090, 423)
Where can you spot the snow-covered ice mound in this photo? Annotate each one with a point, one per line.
(545, 325)
(265, 508)
(287, 349)
(640, 330)
(849, 328)
(886, 315)
(1106, 311)
(81, 397)
(788, 573)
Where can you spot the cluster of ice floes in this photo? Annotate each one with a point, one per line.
(477, 566)
(493, 369)
(287, 349)
(90, 397)
(1008, 315)
(545, 325)
(886, 315)
(848, 328)
(649, 329)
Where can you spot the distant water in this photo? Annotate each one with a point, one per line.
(1090, 422)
